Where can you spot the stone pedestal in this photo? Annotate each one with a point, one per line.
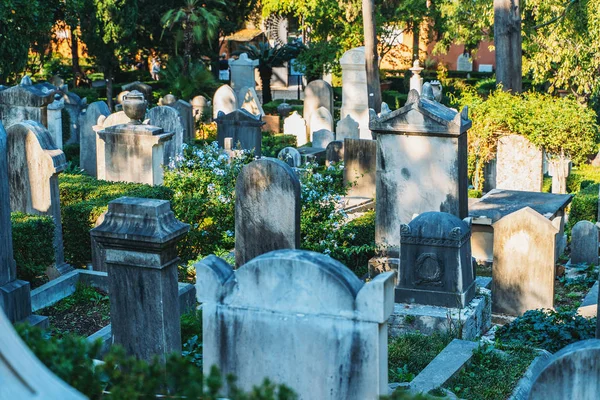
(134, 153)
(26, 102)
(55, 121)
(139, 237)
(242, 73)
(355, 97)
(416, 81)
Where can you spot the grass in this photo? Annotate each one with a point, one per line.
(409, 354)
(492, 374)
(570, 292)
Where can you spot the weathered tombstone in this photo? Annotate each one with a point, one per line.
(249, 102)
(103, 122)
(317, 94)
(201, 107)
(187, 119)
(276, 304)
(24, 377)
(87, 136)
(320, 119)
(464, 62)
(25, 102)
(360, 166)
(260, 229)
(524, 270)
(55, 120)
(74, 105)
(519, 164)
(224, 100)
(144, 88)
(571, 373)
(322, 138)
(34, 163)
(354, 89)
(334, 152)
(243, 127)
(436, 267)
(584, 243)
(421, 165)
(296, 125)
(290, 156)
(139, 237)
(242, 73)
(134, 152)
(416, 80)
(169, 120)
(559, 170)
(347, 128)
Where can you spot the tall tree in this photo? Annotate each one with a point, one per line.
(371, 55)
(508, 42)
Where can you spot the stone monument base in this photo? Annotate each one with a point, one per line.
(471, 321)
(15, 300)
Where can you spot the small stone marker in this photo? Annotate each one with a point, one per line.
(571, 373)
(317, 93)
(322, 138)
(224, 100)
(283, 301)
(584, 243)
(524, 270)
(139, 237)
(320, 119)
(360, 166)
(33, 167)
(260, 229)
(519, 164)
(201, 107)
(347, 128)
(334, 152)
(464, 63)
(296, 125)
(87, 136)
(169, 120)
(290, 156)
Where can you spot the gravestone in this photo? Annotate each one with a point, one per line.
(559, 170)
(317, 93)
(319, 329)
(139, 238)
(334, 152)
(243, 127)
(384, 109)
(360, 166)
(87, 136)
(34, 163)
(320, 119)
(103, 122)
(416, 80)
(260, 229)
(144, 88)
(519, 164)
(55, 120)
(584, 243)
(74, 105)
(169, 120)
(524, 269)
(421, 165)
(464, 62)
(436, 267)
(354, 89)
(322, 138)
(201, 108)
(249, 102)
(347, 128)
(571, 373)
(224, 100)
(290, 156)
(187, 119)
(242, 73)
(25, 102)
(296, 125)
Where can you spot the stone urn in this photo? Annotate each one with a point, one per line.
(135, 106)
(284, 109)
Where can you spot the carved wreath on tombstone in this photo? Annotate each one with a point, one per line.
(428, 270)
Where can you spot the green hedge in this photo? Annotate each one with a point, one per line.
(394, 99)
(33, 244)
(581, 177)
(83, 199)
(584, 206)
(273, 144)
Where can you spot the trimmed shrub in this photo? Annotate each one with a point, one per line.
(581, 177)
(584, 206)
(273, 144)
(394, 99)
(83, 199)
(33, 244)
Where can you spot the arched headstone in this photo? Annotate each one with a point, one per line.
(347, 128)
(290, 156)
(321, 119)
(317, 93)
(169, 119)
(584, 243)
(296, 125)
(224, 100)
(87, 136)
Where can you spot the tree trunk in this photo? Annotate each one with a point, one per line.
(77, 74)
(187, 49)
(507, 39)
(371, 56)
(109, 88)
(265, 80)
(416, 36)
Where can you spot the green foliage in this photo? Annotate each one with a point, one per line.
(410, 353)
(466, 22)
(197, 81)
(547, 329)
(581, 177)
(547, 184)
(475, 194)
(83, 199)
(66, 125)
(492, 374)
(72, 153)
(191, 324)
(317, 59)
(33, 244)
(394, 99)
(91, 94)
(273, 144)
(83, 294)
(584, 206)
